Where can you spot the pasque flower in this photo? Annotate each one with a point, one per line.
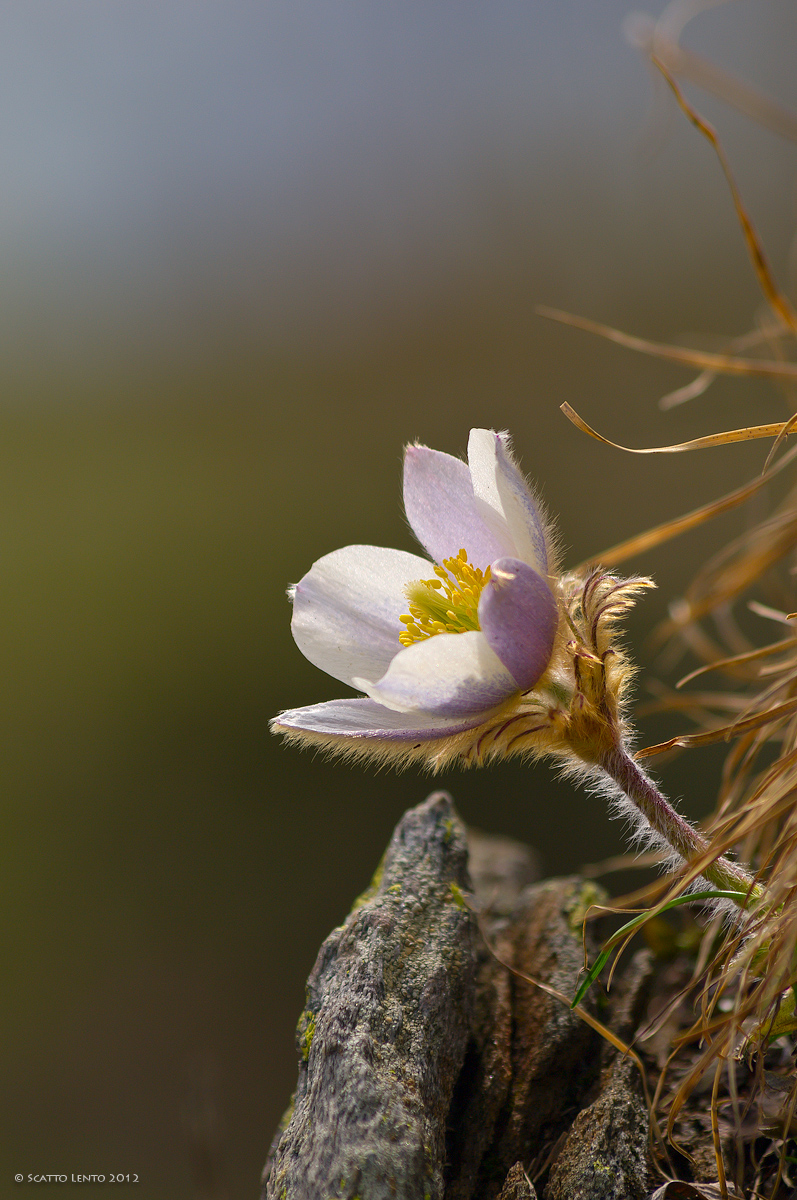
(440, 648)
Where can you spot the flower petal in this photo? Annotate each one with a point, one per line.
(346, 609)
(441, 508)
(448, 675)
(504, 498)
(366, 719)
(518, 616)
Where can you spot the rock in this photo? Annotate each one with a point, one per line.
(532, 1060)
(517, 1186)
(383, 1037)
(604, 1156)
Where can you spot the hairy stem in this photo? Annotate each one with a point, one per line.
(662, 817)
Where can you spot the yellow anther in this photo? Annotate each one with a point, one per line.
(447, 604)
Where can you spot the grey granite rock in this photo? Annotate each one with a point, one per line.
(383, 1036)
(605, 1154)
(517, 1186)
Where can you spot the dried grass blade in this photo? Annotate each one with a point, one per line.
(670, 529)
(704, 360)
(779, 768)
(702, 701)
(777, 301)
(690, 391)
(738, 660)
(734, 92)
(724, 733)
(778, 430)
(771, 614)
(593, 1022)
(622, 862)
(731, 571)
(788, 1117)
(715, 1131)
(685, 1089)
(788, 428)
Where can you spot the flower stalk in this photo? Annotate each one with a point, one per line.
(670, 825)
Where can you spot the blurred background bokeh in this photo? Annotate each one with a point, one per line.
(248, 251)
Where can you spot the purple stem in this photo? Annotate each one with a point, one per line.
(662, 817)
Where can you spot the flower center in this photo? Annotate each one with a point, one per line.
(447, 604)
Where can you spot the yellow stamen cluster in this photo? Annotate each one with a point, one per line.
(447, 604)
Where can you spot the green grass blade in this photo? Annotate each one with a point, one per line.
(631, 926)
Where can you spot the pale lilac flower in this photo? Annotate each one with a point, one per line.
(441, 646)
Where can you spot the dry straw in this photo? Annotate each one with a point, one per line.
(743, 985)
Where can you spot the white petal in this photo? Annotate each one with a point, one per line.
(504, 498)
(448, 675)
(346, 609)
(366, 719)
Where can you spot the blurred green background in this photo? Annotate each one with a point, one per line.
(250, 250)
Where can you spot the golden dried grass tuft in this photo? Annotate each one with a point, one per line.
(744, 980)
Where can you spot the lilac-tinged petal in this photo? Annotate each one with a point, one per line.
(504, 498)
(346, 609)
(366, 719)
(518, 617)
(441, 508)
(521, 508)
(449, 675)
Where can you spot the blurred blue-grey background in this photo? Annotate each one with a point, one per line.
(248, 251)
